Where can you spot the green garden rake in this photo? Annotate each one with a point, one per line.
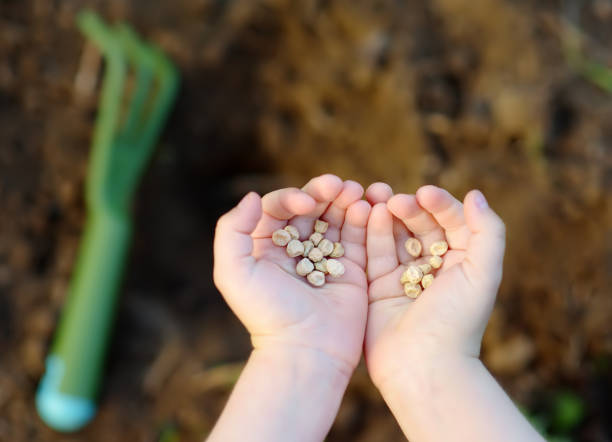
(128, 125)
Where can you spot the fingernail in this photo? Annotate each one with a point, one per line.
(480, 200)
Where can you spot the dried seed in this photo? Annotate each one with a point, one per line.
(335, 267)
(316, 238)
(304, 267)
(320, 226)
(316, 278)
(425, 268)
(412, 290)
(414, 247)
(295, 248)
(315, 255)
(427, 280)
(281, 237)
(338, 251)
(326, 246)
(411, 275)
(321, 266)
(293, 231)
(308, 245)
(438, 248)
(435, 262)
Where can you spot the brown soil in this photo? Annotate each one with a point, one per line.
(460, 93)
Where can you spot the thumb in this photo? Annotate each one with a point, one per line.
(233, 243)
(485, 250)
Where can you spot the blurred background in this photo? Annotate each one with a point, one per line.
(458, 93)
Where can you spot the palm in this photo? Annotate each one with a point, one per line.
(282, 306)
(396, 321)
(329, 318)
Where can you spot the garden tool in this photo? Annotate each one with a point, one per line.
(138, 90)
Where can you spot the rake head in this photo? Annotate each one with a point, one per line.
(137, 93)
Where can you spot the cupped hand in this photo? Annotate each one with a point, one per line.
(279, 308)
(449, 317)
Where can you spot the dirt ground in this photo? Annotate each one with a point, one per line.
(460, 93)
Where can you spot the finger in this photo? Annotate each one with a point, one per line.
(323, 189)
(233, 244)
(380, 243)
(448, 212)
(336, 212)
(381, 193)
(485, 251)
(378, 193)
(387, 286)
(278, 207)
(401, 234)
(353, 233)
(418, 221)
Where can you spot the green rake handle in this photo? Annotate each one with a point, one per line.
(67, 392)
(121, 147)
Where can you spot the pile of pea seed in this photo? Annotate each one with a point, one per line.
(319, 254)
(417, 277)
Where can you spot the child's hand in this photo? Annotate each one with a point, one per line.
(448, 319)
(307, 340)
(280, 309)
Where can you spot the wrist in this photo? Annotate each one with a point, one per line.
(424, 374)
(454, 399)
(323, 358)
(420, 396)
(303, 364)
(283, 393)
